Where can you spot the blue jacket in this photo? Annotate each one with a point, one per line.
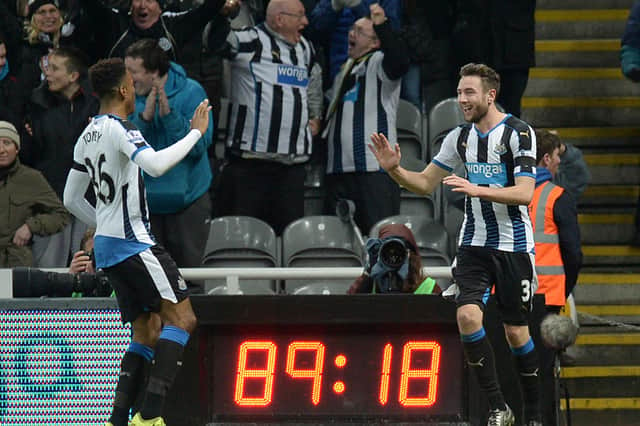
(191, 177)
(331, 29)
(630, 49)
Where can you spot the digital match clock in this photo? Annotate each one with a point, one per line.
(338, 358)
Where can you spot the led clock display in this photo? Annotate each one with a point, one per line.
(314, 358)
(338, 373)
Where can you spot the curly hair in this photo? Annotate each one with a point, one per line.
(106, 76)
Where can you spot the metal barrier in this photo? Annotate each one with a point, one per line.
(234, 275)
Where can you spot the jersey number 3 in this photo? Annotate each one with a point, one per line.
(101, 181)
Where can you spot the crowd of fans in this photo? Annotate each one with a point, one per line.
(47, 47)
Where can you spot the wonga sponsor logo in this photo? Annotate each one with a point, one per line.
(294, 76)
(487, 174)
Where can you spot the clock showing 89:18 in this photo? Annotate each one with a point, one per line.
(343, 372)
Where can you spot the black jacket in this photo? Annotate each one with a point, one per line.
(177, 28)
(12, 100)
(499, 33)
(57, 122)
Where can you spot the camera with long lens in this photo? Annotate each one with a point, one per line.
(393, 253)
(33, 282)
(388, 264)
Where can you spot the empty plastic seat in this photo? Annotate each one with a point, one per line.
(319, 241)
(238, 242)
(411, 136)
(444, 116)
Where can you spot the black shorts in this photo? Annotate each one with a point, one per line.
(143, 280)
(477, 269)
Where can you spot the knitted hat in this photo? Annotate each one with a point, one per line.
(8, 130)
(34, 5)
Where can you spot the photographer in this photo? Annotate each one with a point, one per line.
(82, 280)
(393, 265)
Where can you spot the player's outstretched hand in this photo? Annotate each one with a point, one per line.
(388, 157)
(200, 118)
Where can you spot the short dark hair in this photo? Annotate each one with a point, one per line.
(75, 59)
(490, 78)
(152, 55)
(546, 143)
(106, 75)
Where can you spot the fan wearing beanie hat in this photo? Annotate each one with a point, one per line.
(8, 131)
(34, 5)
(39, 211)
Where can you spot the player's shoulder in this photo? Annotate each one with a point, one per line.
(518, 125)
(463, 128)
(115, 122)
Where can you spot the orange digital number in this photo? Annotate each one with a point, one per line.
(385, 376)
(430, 374)
(244, 373)
(315, 373)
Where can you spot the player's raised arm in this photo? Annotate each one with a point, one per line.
(157, 163)
(422, 183)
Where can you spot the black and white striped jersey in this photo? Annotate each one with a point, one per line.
(369, 105)
(493, 159)
(269, 80)
(106, 150)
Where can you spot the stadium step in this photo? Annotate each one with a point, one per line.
(579, 90)
(578, 110)
(566, 82)
(607, 196)
(603, 385)
(614, 168)
(600, 23)
(611, 255)
(596, 287)
(578, 53)
(582, 4)
(611, 227)
(601, 138)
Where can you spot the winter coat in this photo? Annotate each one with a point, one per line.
(26, 197)
(57, 122)
(191, 177)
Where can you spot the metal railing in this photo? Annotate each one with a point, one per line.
(232, 276)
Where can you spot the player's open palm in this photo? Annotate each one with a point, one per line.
(200, 119)
(387, 156)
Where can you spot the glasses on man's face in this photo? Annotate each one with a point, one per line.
(298, 16)
(360, 32)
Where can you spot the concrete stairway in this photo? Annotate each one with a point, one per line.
(578, 89)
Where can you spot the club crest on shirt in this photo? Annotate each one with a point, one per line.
(500, 149)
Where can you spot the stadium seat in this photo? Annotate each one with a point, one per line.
(444, 116)
(221, 128)
(238, 242)
(319, 241)
(420, 205)
(409, 123)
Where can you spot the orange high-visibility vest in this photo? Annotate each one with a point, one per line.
(549, 267)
